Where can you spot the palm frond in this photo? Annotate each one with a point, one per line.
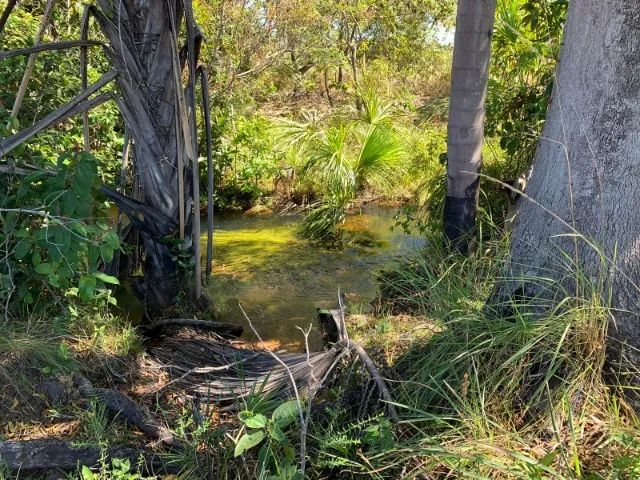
(330, 160)
(290, 133)
(374, 110)
(382, 152)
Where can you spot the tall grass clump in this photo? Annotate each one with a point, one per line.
(495, 396)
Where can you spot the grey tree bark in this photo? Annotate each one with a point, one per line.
(148, 65)
(585, 177)
(469, 77)
(162, 126)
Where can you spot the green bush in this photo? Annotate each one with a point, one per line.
(55, 236)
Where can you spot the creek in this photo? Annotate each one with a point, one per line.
(280, 279)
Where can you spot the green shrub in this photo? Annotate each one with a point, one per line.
(55, 235)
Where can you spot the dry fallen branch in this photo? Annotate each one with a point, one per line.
(52, 454)
(121, 405)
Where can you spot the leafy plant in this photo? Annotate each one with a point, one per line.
(276, 458)
(345, 160)
(115, 469)
(55, 236)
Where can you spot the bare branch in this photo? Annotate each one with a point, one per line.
(84, 36)
(76, 105)
(11, 4)
(206, 112)
(52, 46)
(22, 89)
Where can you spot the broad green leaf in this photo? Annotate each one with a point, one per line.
(86, 287)
(22, 249)
(256, 421)
(106, 252)
(276, 433)
(45, 268)
(87, 474)
(286, 413)
(248, 441)
(111, 239)
(106, 278)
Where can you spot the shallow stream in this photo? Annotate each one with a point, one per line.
(280, 279)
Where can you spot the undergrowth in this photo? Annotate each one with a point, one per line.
(492, 397)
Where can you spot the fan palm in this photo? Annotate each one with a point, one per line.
(346, 158)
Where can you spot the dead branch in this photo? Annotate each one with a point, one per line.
(52, 454)
(375, 375)
(11, 4)
(49, 47)
(22, 89)
(206, 112)
(224, 329)
(76, 105)
(119, 404)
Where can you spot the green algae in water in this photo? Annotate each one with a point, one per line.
(280, 279)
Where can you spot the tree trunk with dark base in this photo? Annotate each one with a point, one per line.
(583, 210)
(144, 42)
(469, 77)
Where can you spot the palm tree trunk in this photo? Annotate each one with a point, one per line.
(144, 44)
(469, 77)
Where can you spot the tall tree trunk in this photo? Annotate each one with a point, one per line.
(585, 176)
(469, 77)
(146, 56)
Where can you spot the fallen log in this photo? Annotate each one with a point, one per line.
(29, 456)
(222, 329)
(120, 405)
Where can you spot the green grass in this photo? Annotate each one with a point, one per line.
(486, 397)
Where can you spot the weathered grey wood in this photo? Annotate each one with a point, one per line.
(122, 406)
(206, 113)
(585, 177)
(78, 104)
(31, 456)
(195, 171)
(144, 44)
(469, 77)
(48, 47)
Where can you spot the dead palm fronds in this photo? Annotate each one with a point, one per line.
(155, 67)
(206, 366)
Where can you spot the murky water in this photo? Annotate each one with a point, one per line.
(280, 279)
